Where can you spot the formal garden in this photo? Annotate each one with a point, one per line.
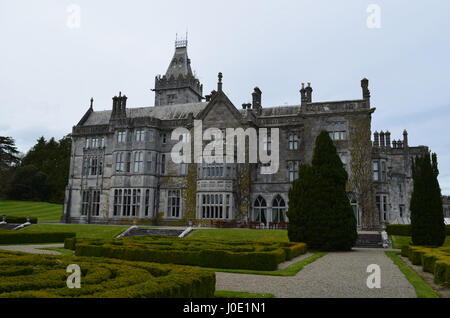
(25, 275)
(261, 262)
(172, 250)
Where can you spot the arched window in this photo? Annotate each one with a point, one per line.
(278, 210)
(354, 204)
(260, 210)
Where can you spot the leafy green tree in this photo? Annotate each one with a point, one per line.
(53, 159)
(28, 184)
(319, 212)
(9, 157)
(427, 215)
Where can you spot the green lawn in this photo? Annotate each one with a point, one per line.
(423, 290)
(62, 250)
(84, 231)
(240, 235)
(399, 241)
(45, 212)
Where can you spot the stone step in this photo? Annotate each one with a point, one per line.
(369, 241)
(8, 226)
(146, 231)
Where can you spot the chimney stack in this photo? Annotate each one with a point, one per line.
(119, 106)
(382, 140)
(376, 139)
(405, 138)
(388, 139)
(365, 88)
(309, 91)
(303, 94)
(256, 98)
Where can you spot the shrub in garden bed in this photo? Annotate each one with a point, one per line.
(405, 229)
(235, 255)
(19, 237)
(432, 260)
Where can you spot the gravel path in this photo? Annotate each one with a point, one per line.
(34, 249)
(339, 274)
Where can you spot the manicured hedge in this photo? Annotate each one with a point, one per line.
(25, 275)
(18, 219)
(230, 255)
(405, 229)
(432, 260)
(19, 237)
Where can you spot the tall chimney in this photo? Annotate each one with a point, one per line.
(303, 94)
(309, 91)
(388, 139)
(115, 102)
(365, 88)
(376, 139)
(382, 140)
(405, 138)
(256, 98)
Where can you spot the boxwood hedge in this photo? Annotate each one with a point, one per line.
(19, 219)
(25, 275)
(432, 260)
(215, 254)
(405, 229)
(19, 237)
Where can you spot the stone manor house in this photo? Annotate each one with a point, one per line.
(121, 169)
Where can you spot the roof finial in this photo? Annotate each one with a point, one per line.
(120, 94)
(92, 102)
(219, 85)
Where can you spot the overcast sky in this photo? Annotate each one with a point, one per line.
(50, 68)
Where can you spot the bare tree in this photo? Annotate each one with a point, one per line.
(361, 176)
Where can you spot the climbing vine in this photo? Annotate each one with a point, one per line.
(243, 195)
(190, 193)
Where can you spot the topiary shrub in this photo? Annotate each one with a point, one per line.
(427, 215)
(319, 212)
(18, 237)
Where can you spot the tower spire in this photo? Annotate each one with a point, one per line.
(179, 85)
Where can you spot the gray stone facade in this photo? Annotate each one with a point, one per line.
(121, 169)
(446, 204)
(393, 181)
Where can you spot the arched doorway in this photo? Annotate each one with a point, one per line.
(278, 210)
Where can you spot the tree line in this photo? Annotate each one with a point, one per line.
(39, 175)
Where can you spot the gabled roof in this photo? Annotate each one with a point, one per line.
(219, 97)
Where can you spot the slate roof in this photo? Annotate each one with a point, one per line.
(164, 113)
(181, 111)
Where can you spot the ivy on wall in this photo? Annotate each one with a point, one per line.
(190, 193)
(243, 194)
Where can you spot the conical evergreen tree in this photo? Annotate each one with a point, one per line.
(427, 215)
(320, 213)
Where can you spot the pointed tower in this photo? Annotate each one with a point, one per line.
(179, 85)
